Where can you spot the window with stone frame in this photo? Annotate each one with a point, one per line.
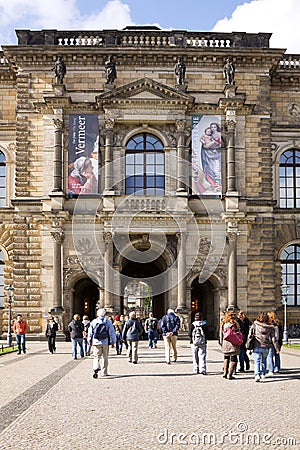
(1, 279)
(145, 166)
(290, 264)
(289, 179)
(2, 180)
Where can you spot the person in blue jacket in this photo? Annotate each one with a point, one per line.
(101, 334)
(170, 324)
(132, 332)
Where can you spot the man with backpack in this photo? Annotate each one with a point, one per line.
(198, 333)
(101, 334)
(151, 329)
(170, 324)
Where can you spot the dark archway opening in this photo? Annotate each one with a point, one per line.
(145, 272)
(86, 296)
(202, 300)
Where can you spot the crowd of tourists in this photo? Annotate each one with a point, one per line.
(238, 336)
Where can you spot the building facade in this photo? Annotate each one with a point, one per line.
(149, 169)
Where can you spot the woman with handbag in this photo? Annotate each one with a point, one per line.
(264, 339)
(230, 350)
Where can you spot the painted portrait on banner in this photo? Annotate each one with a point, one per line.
(83, 154)
(206, 155)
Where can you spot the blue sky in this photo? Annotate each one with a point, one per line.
(280, 17)
(178, 14)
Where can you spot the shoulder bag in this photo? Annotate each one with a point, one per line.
(234, 337)
(251, 339)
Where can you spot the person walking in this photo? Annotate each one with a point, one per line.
(101, 334)
(245, 324)
(118, 329)
(20, 329)
(86, 347)
(229, 350)
(50, 334)
(198, 334)
(75, 328)
(151, 330)
(264, 339)
(170, 324)
(132, 332)
(273, 360)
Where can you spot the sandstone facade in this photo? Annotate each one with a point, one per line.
(67, 254)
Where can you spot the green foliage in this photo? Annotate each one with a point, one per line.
(5, 350)
(296, 346)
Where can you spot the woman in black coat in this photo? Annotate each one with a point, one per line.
(50, 334)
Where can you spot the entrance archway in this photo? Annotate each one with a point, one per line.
(144, 272)
(86, 296)
(202, 300)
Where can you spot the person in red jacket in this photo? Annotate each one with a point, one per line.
(20, 330)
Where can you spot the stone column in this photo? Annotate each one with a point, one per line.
(231, 179)
(108, 269)
(108, 181)
(232, 265)
(181, 169)
(58, 238)
(58, 155)
(181, 272)
(101, 297)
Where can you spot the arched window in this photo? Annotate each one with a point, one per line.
(2, 180)
(145, 166)
(290, 264)
(1, 279)
(290, 179)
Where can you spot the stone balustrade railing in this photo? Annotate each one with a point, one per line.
(290, 62)
(3, 61)
(143, 204)
(143, 37)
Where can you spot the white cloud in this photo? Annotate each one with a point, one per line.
(58, 14)
(115, 14)
(279, 17)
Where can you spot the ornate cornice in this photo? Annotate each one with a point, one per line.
(126, 93)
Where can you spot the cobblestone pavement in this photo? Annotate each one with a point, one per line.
(52, 402)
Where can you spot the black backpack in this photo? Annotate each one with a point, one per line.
(101, 332)
(152, 324)
(78, 327)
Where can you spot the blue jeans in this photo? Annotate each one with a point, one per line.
(260, 360)
(78, 341)
(199, 358)
(152, 337)
(21, 339)
(86, 346)
(119, 343)
(243, 358)
(273, 360)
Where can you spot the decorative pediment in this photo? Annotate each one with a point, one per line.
(144, 89)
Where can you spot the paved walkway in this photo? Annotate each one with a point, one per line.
(52, 402)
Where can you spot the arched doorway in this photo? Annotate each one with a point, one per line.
(145, 272)
(202, 300)
(86, 296)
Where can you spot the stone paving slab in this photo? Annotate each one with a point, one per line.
(148, 406)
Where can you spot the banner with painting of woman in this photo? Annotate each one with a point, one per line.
(83, 154)
(206, 155)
